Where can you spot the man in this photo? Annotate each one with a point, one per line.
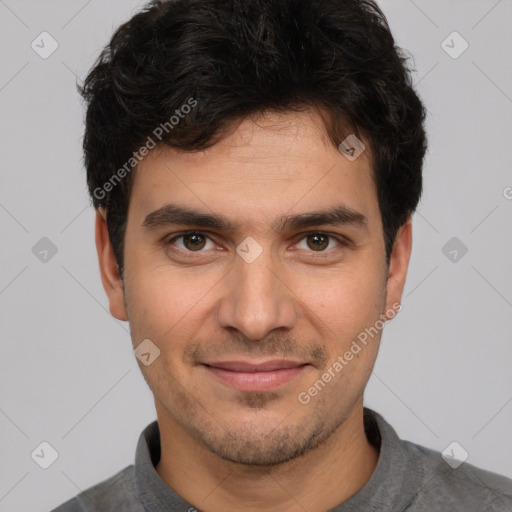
(255, 165)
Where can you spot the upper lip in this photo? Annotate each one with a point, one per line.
(265, 366)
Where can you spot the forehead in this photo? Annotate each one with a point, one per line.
(266, 166)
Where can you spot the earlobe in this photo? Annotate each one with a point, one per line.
(398, 265)
(112, 282)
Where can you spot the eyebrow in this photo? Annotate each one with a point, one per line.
(174, 215)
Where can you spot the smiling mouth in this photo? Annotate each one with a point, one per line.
(256, 377)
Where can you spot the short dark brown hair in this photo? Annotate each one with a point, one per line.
(237, 58)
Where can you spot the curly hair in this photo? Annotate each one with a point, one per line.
(237, 58)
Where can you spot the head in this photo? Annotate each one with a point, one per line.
(225, 119)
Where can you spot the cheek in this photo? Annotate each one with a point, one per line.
(345, 303)
(165, 304)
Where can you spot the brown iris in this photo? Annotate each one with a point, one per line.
(196, 241)
(319, 241)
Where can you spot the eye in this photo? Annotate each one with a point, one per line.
(197, 242)
(192, 241)
(318, 241)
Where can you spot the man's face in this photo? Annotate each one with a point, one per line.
(248, 318)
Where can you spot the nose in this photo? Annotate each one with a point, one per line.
(257, 299)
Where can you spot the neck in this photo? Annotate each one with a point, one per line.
(319, 480)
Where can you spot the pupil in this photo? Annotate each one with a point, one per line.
(194, 240)
(317, 241)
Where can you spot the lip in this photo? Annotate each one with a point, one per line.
(250, 376)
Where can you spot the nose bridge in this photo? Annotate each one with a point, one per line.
(256, 300)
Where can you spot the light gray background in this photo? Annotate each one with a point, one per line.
(67, 372)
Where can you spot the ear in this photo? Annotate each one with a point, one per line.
(112, 282)
(398, 265)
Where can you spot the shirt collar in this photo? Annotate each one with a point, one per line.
(392, 486)
(396, 478)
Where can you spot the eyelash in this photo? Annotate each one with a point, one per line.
(343, 242)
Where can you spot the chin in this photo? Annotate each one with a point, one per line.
(262, 442)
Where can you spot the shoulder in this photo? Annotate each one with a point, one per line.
(116, 493)
(464, 488)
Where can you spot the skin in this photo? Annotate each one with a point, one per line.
(224, 449)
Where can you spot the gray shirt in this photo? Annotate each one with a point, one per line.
(408, 477)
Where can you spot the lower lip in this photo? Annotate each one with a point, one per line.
(256, 381)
